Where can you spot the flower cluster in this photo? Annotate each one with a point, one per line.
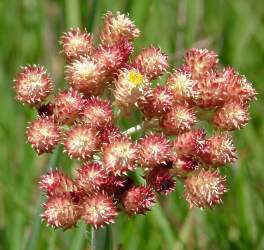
(175, 146)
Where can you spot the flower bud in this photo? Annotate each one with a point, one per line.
(98, 210)
(179, 120)
(67, 106)
(198, 61)
(219, 150)
(182, 86)
(90, 177)
(138, 200)
(96, 112)
(43, 134)
(153, 149)
(77, 43)
(231, 116)
(151, 62)
(190, 143)
(86, 76)
(81, 142)
(33, 85)
(205, 189)
(118, 27)
(161, 180)
(56, 182)
(119, 156)
(183, 165)
(156, 102)
(130, 86)
(61, 212)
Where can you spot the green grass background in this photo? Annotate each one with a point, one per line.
(29, 33)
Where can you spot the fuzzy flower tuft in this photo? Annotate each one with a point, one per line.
(219, 150)
(110, 133)
(151, 62)
(190, 143)
(179, 120)
(90, 177)
(118, 27)
(43, 134)
(182, 86)
(61, 212)
(184, 165)
(199, 61)
(67, 106)
(205, 189)
(129, 87)
(238, 88)
(119, 156)
(33, 85)
(81, 142)
(138, 200)
(96, 112)
(231, 116)
(98, 210)
(86, 76)
(77, 43)
(56, 182)
(156, 102)
(161, 180)
(153, 149)
(114, 57)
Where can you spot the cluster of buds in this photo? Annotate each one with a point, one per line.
(104, 78)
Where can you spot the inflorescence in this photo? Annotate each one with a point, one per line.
(107, 79)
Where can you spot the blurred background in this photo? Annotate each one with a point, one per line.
(29, 33)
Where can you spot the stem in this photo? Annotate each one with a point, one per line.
(101, 239)
(34, 236)
(135, 129)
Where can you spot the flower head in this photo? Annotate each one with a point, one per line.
(204, 189)
(109, 134)
(67, 106)
(61, 212)
(118, 27)
(86, 76)
(96, 112)
(112, 58)
(130, 86)
(156, 102)
(184, 165)
(219, 150)
(182, 85)
(77, 43)
(56, 182)
(198, 61)
(138, 200)
(190, 143)
(151, 62)
(43, 134)
(81, 142)
(90, 177)
(153, 149)
(98, 210)
(119, 156)
(211, 91)
(161, 180)
(33, 85)
(231, 116)
(238, 88)
(179, 120)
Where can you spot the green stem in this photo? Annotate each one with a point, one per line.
(101, 239)
(34, 236)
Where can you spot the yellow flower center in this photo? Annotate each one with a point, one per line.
(135, 78)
